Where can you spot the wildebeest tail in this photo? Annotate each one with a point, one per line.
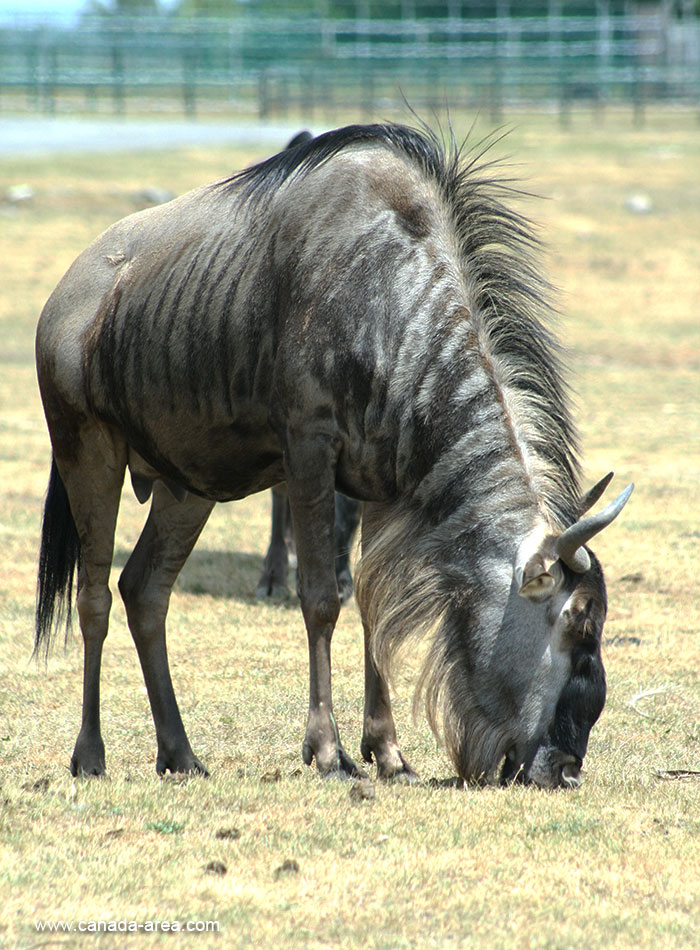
(59, 556)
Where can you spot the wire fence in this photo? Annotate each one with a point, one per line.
(279, 66)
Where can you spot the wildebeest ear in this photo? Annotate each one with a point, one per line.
(535, 580)
(593, 494)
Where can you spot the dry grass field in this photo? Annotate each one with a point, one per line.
(270, 853)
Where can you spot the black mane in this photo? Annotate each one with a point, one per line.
(268, 175)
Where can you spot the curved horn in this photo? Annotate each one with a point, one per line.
(570, 544)
(593, 494)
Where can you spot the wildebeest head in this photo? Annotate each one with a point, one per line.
(522, 682)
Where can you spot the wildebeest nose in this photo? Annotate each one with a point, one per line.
(571, 775)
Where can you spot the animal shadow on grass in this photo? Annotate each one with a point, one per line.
(226, 575)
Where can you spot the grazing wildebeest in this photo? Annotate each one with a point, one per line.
(273, 580)
(282, 549)
(360, 312)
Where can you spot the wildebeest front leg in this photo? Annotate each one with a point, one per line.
(378, 731)
(310, 465)
(170, 533)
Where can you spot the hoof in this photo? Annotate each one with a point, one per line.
(339, 765)
(346, 771)
(189, 765)
(269, 591)
(88, 758)
(401, 773)
(391, 766)
(83, 770)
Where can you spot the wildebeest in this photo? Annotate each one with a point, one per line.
(361, 312)
(273, 580)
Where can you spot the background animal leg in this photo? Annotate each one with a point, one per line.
(347, 518)
(170, 533)
(273, 580)
(281, 553)
(93, 482)
(310, 480)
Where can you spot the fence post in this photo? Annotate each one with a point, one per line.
(328, 97)
(432, 81)
(496, 91)
(117, 79)
(604, 47)
(283, 97)
(638, 97)
(33, 84)
(368, 93)
(308, 94)
(189, 82)
(564, 104)
(91, 97)
(263, 95)
(50, 80)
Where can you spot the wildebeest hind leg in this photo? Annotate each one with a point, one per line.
(93, 477)
(170, 533)
(310, 465)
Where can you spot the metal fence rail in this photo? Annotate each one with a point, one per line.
(282, 64)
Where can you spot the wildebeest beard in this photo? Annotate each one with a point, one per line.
(417, 594)
(495, 684)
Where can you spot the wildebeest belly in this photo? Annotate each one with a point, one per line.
(222, 463)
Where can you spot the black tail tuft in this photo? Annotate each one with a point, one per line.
(58, 557)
